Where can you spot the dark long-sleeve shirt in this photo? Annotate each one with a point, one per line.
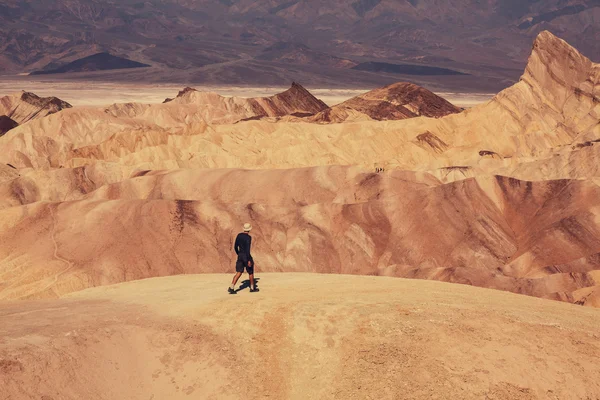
(243, 241)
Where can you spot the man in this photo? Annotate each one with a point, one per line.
(243, 241)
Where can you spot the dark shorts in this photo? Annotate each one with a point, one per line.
(241, 265)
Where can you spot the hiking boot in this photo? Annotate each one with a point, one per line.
(231, 291)
(254, 290)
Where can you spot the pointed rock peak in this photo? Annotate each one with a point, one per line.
(554, 61)
(398, 89)
(548, 39)
(551, 45)
(546, 36)
(397, 101)
(298, 88)
(186, 91)
(181, 93)
(297, 85)
(416, 98)
(53, 103)
(25, 106)
(299, 97)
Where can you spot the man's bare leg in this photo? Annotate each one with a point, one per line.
(253, 287)
(235, 279)
(231, 288)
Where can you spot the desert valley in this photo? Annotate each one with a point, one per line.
(491, 211)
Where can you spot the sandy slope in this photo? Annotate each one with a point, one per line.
(535, 238)
(303, 336)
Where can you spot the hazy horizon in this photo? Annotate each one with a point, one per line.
(454, 46)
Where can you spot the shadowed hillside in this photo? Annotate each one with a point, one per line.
(96, 62)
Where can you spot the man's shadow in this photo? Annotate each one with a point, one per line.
(246, 284)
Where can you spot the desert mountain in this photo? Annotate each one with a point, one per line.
(503, 195)
(233, 41)
(163, 337)
(295, 100)
(191, 104)
(96, 62)
(393, 102)
(24, 107)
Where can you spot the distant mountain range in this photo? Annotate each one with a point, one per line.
(333, 43)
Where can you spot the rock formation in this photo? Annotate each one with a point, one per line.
(213, 108)
(394, 102)
(504, 195)
(25, 106)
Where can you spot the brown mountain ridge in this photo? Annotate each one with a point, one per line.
(191, 104)
(393, 102)
(25, 106)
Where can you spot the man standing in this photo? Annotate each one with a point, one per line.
(243, 241)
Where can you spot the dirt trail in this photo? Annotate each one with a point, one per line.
(303, 336)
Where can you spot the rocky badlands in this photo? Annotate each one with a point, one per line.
(499, 202)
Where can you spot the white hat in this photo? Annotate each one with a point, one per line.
(247, 227)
